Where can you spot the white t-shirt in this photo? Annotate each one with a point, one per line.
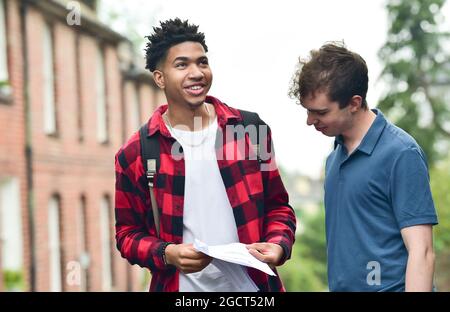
(207, 215)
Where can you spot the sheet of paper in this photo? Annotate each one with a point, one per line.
(237, 275)
(234, 253)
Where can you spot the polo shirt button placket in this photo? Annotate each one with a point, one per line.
(341, 175)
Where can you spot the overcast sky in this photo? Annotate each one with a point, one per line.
(253, 50)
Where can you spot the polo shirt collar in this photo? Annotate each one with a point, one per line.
(372, 136)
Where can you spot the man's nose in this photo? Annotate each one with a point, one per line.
(196, 73)
(310, 120)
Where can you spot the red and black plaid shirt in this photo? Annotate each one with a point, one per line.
(258, 199)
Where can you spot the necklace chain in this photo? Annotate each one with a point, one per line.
(182, 141)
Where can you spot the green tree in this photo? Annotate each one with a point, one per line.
(307, 270)
(128, 20)
(440, 185)
(417, 71)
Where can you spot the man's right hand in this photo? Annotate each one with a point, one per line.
(186, 258)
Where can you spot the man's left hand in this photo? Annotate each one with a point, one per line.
(266, 252)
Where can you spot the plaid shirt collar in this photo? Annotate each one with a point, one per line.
(223, 111)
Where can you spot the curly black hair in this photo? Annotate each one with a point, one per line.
(171, 32)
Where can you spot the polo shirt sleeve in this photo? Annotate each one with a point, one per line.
(410, 191)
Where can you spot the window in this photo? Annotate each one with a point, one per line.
(135, 108)
(102, 125)
(79, 87)
(84, 254)
(11, 242)
(54, 244)
(4, 76)
(105, 224)
(49, 82)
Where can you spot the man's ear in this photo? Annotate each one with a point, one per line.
(355, 103)
(158, 76)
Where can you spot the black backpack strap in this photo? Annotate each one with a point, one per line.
(251, 118)
(151, 159)
(149, 148)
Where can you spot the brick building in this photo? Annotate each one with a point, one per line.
(69, 97)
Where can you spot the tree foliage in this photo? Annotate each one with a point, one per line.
(417, 71)
(307, 268)
(440, 185)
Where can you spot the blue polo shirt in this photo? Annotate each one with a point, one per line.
(370, 195)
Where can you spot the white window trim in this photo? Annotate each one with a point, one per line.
(4, 75)
(102, 125)
(11, 241)
(136, 108)
(84, 258)
(49, 82)
(105, 244)
(54, 245)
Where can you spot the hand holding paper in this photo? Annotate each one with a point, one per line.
(269, 253)
(234, 253)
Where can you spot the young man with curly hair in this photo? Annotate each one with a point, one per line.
(208, 193)
(378, 203)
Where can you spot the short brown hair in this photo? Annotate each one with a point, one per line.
(335, 70)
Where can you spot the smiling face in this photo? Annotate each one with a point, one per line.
(326, 116)
(185, 75)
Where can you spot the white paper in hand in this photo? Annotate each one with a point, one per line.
(234, 253)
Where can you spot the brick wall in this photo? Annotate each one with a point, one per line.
(12, 121)
(64, 165)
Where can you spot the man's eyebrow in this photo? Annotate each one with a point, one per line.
(186, 59)
(323, 110)
(181, 58)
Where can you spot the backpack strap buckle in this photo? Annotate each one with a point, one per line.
(151, 170)
(257, 151)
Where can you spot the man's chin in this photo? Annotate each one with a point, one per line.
(194, 104)
(328, 134)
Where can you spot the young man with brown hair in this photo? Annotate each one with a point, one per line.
(379, 208)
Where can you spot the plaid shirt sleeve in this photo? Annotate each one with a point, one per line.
(279, 220)
(136, 239)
